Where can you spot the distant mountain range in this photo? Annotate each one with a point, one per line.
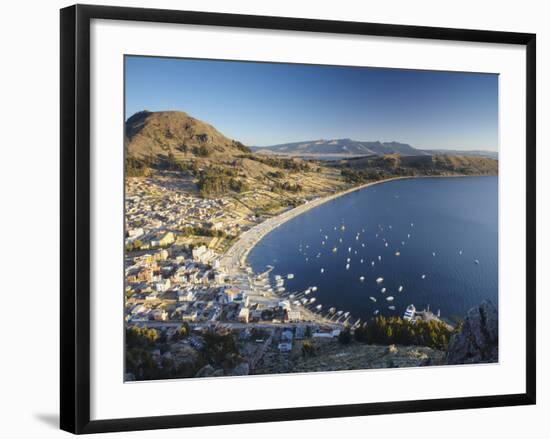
(340, 148)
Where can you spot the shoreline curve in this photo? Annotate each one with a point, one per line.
(234, 259)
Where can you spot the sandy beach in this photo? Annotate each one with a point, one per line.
(234, 260)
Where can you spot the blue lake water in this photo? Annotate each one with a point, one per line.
(455, 218)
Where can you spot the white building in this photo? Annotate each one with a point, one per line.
(243, 315)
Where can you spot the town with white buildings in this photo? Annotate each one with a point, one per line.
(174, 275)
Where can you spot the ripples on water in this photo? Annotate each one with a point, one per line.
(438, 227)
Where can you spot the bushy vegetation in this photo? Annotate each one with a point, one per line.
(182, 332)
(135, 245)
(201, 151)
(238, 185)
(359, 176)
(136, 167)
(141, 337)
(142, 361)
(218, 181)
(288, 164)
(286, 187)
(220, 350)
(395, 330)
(241, 147)
(276, 174)
(202, 231)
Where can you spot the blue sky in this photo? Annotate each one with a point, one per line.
(265, 104)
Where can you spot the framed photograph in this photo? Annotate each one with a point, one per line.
(268, 218)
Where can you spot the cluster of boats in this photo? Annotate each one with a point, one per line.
(304, 298)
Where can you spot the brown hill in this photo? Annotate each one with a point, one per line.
(159, 136)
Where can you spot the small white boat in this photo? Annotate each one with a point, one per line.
(318, 307)
(409, 313)
(391, 307)
(402, 242)
(379, 258)
(400, 289)
(386, 244)
(312, 300)
(397, 253)
(376, 311)
(332, 310)
(476, 261)
(335, 249)
(313, 289)
(362, 278)
(372, 298)
(343, 227)
(379, 280)
(361, 261)
(348, 260)
(322, 242)
(322, 270)
(346, 314)
(363, 245)
(390, 298)
(433, 253)
(383, 290)
(408, 235)
(339, 313)
(460, 252)
(347, 266)
(307, 291)
(423, 276)
(349, 249)
(340, 240)
(412, 224)
(290, 276)
(372, 263)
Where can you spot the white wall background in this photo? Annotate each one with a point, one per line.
(29, 187)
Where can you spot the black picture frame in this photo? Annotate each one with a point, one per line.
(75, 217)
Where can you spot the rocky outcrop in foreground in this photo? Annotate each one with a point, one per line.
(478, 340)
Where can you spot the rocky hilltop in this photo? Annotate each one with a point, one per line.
(478, 340)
